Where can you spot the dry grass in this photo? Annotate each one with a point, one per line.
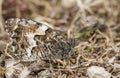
(96, 23)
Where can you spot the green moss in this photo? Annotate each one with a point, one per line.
(2, 70)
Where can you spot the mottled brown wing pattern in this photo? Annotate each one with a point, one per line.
(31, 41)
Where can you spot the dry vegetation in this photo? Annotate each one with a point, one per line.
(96, 23)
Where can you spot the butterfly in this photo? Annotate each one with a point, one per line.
(31, 41)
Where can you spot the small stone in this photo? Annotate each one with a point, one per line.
(98, 72)
(44, 74)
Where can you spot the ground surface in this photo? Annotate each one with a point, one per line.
(94, 23)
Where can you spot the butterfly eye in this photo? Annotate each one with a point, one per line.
(14, 44)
